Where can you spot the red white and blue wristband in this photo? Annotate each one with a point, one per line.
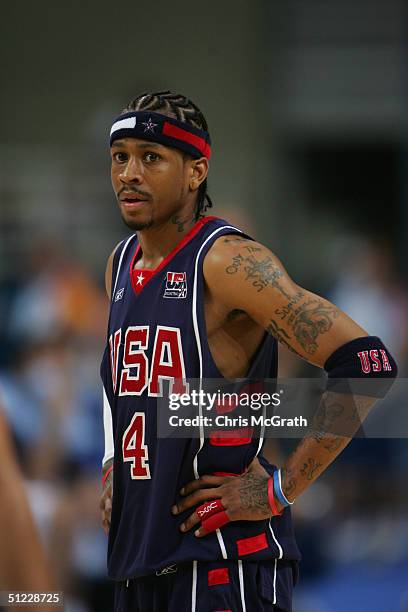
(277, 488)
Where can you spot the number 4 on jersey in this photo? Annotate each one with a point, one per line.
(134, 448)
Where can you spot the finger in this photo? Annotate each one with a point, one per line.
(202, 483)
(211, 524)
(196, 498)
(209, 508)
(202, 512)
(190, 522)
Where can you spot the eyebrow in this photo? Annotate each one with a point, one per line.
(142, 145)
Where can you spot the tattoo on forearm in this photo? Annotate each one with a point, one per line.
(288, 482)
(253, 492)
(333, 444)
(309, 468)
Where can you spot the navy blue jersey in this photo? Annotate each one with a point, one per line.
(157, 332)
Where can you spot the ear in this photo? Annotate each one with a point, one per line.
(198, 172)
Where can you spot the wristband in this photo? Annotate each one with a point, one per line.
(105, 476)
(277, 488)
(271, 499)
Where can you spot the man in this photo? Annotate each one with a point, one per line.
(202, 525)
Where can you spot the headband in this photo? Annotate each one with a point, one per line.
(164, 130)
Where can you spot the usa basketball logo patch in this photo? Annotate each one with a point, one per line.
(176, 285)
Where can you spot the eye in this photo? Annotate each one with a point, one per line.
(149, 156)
(119, 157)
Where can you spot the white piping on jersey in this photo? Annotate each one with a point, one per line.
(274, 581)
(200, 358)
(221, 543)
(120, 263)
(194, 588)
(108, 429)
(197, 336)
(276, 541)
(241, 585)
(261, 437)
(107, 413)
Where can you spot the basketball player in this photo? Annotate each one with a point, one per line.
(202, 525)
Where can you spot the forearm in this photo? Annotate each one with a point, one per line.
(334, 425)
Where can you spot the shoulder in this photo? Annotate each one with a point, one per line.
(109, 266)
(235, 254)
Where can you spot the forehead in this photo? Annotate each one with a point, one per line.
(139, 144)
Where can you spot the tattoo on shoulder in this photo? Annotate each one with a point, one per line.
(261, 273)
(236, 239)
(234, 265)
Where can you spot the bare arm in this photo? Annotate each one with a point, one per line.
(105, 503)
(242, 274)
(23, 565)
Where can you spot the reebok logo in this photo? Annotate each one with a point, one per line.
(119, 294)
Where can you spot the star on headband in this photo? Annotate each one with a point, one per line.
(149, 125)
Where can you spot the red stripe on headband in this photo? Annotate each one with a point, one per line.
(196, 141)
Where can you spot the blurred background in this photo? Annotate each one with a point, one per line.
(305, 103)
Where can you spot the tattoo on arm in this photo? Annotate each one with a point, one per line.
(288, 481)
(308, 320)
(281, 335)
(253, 492)
(309, 468)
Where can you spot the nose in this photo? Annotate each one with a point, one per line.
(131, 172)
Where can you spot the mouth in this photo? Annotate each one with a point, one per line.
(132, 201)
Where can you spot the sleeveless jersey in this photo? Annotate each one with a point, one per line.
(157, 332)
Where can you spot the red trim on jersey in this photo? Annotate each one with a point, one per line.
(235, 437)
(176, 132)
(218, 576)
(227, 473)
(248, 546)
(147, 273)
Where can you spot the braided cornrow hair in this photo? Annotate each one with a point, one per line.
(183, 109)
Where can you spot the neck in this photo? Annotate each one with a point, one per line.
(157, 242)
